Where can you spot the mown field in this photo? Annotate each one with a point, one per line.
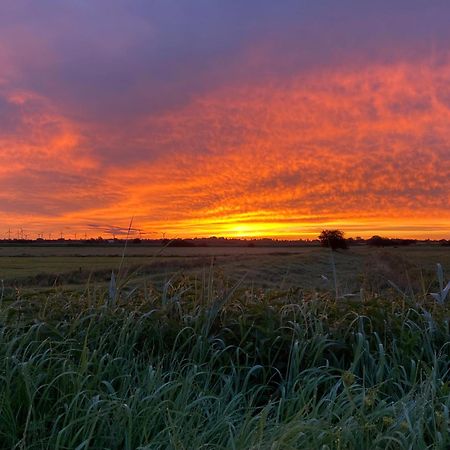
(40, 268)
(250, 351)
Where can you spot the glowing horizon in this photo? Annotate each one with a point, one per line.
(234, 121)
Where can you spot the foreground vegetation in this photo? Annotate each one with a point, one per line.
(199, 365)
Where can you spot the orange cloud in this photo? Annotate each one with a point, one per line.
(365, 150)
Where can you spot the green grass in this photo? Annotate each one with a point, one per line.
(200, 364)
(34, 268)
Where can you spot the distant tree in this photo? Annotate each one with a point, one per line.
(378, 241)
(333, 238)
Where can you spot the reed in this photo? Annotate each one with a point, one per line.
(202, 366)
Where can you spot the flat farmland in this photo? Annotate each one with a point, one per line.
(37, 267)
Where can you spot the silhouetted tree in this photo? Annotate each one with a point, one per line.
(333, 238)
(378, 241)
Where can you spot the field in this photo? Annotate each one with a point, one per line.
(223, 348)
(36, 268)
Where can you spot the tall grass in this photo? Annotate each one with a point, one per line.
(203, 367)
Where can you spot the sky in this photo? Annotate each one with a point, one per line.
(225, 118)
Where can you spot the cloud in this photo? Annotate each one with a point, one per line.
(339, 144)
(207, 119)
(364, 146)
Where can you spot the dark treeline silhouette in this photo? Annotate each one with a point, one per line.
(335, 238)
(378, 241)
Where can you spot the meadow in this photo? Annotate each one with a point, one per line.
(265, 349)
(37, 268)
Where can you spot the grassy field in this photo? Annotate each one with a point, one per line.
(198, 360)
(266, 267)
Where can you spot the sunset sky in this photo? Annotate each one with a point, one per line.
(228, 118)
